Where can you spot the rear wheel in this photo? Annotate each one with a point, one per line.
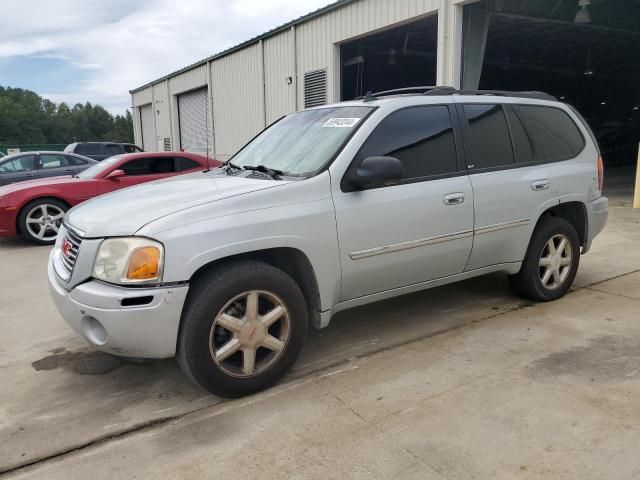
(551, 262)
(40, 220)
(242, 329)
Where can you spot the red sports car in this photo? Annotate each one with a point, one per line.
(35, 208)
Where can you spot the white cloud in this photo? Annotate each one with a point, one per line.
(122, 44)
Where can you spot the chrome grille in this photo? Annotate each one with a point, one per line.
(69, 250)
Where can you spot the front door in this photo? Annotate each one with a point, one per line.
(17, 169)
(418, 230)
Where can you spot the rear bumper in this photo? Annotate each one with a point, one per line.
(597, 213)
(95, 312)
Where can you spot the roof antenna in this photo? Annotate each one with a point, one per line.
(368, 96)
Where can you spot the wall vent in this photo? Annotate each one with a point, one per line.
(167, 144)
(315, 88)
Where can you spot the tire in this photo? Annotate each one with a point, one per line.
(528, 282)
(217, 319)
(48, 210)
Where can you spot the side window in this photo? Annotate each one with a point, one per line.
(87, 149)
(149, 166)
(521, 144)
(555, 136)
(24, 163)
(183, 164)
(75, 160)
(48, 160)
(491, 143)
(129, 149)
(111, 150)
(421, 138)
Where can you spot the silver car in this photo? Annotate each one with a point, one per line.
(327, 209)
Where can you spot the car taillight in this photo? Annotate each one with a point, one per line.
(600, 173)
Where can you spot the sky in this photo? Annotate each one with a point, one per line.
(97, 50)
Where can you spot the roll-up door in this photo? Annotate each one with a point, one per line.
(148, 129)
(193, 120)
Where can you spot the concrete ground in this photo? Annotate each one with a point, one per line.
(463, 381)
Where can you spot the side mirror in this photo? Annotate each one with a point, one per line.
(115, 175)
(377, 172)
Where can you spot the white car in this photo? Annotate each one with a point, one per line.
(327, 209)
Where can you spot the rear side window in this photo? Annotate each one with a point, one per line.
(183, 164)
(421, 138)
(75, 160)
(555, 136)
(111, 150)
(522, 148)
(489, 136)
(87, 149)
(48, 160)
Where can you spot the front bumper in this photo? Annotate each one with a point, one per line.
(597, 213)
(94, 310)
(8, 222)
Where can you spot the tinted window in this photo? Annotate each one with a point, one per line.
(489, 136)
(75, 160)
(149, 166)
(23, 163)
(53, 161)
(420, 137)
(110, 150)
(183, 164)
(554, 134)
(87, 149)
(521, 143)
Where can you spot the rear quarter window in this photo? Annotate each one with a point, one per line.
(554, 134)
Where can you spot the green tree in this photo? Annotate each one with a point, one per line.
(27, 118)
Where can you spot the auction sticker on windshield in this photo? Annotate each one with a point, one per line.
(341, 122)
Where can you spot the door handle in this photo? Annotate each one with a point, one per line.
(453, 198)
(539, 185)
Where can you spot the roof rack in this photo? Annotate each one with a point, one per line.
(420, 90)
(499, 93)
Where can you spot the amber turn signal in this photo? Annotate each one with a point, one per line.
(144, 264)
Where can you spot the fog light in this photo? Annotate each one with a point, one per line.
(94, 331)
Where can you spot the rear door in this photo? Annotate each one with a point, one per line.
(510, 189)
(54, 165)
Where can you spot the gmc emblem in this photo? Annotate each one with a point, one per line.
(65, 247)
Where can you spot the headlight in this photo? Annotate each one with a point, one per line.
(129, 260)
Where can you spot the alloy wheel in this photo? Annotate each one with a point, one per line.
(249, 333)
(555, 261)
(43, 221)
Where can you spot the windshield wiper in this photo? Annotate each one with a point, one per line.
(230, 165)
(272, 172)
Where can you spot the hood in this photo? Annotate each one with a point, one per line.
(126, 211)
(40, 182)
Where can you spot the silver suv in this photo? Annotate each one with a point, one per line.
(327, 209)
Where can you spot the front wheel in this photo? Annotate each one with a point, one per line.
(551, 262)
(243, 327)
(40, 220)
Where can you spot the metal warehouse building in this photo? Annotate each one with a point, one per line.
(586, 52)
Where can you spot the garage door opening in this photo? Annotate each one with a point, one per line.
(193, 121)
(586, 54)
(400, 57)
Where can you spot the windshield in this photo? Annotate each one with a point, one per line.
(98, 168)
(303, 142)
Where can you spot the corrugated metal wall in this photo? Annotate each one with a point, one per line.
(238, 99)
(280, 75)
(249, 88)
